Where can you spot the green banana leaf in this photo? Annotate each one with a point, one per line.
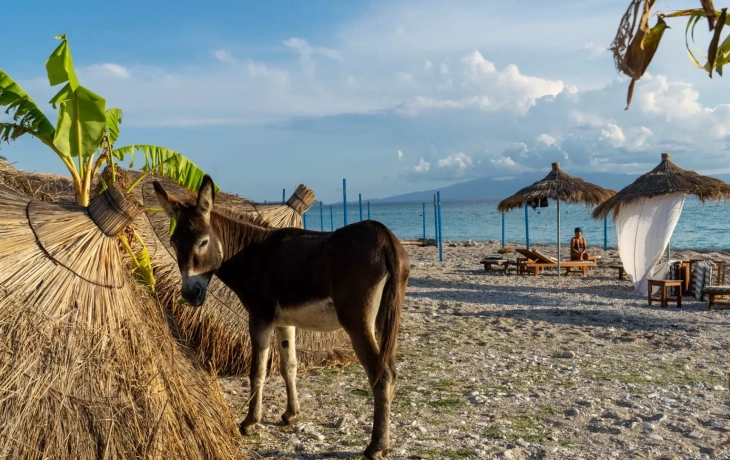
(81, 122)
(25, 112)
(113, 120)
(165, 162)
(60, 67)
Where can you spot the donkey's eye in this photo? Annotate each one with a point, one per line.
(203, 244)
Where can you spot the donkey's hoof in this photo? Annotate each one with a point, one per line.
(374, 453)
(247, 428)
(289, 419)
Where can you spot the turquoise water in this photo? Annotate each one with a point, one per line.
(700, 226)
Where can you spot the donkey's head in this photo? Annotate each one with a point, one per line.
(199, 250)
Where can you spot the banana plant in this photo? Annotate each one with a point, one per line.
(84, 136)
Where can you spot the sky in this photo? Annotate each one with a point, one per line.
(396, 96)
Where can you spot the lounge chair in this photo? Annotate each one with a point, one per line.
(536, 261)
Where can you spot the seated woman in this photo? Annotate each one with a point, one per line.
(578, 246)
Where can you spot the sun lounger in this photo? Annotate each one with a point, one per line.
(536, 262)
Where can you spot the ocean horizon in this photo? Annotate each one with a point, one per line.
(701, 226)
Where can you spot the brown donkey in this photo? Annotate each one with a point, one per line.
(354, 278)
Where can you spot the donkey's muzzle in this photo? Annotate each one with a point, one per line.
(194, 290)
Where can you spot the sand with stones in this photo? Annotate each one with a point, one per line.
(518, 367)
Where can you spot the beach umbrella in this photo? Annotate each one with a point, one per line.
(218, 330)
(647, 211)
(558, 186)
(89, 367)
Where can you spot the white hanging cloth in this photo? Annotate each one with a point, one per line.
(643, 230)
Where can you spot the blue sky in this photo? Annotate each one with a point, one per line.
(396, 96)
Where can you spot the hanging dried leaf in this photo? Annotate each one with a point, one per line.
(709, 8)
(641, 53)
(715, 42)
(624, 34)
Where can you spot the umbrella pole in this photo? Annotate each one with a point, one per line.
(558, 238)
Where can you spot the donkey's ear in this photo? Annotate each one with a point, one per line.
(168, 202)
(206, 196)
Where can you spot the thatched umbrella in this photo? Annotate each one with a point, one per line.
(218, 330)
(557, 186)
(89, 368)
(666, 178)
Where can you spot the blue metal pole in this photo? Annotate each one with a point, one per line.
(605, 233)
(527, 227)
(344, 198)
(441, 235)
(321, 217)
(368, 209)
(424, 220)
(435, 221)
(304, 220)
(359, 200)
(332, 219)
(283, 195)
(502, 230)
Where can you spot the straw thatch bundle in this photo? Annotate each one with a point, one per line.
(666, 178)
(89, 368)
(557, 185)
(40, 186)
(218, 330)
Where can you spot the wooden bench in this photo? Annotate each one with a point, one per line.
(713, 292)
(621, 271)
(500, 263)
(664, 286)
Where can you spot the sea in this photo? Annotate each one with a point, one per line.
(700, 226)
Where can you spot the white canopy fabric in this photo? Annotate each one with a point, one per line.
(643, 230)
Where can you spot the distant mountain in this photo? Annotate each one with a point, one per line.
(487, 188)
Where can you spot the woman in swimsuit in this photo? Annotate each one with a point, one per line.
(578, 246)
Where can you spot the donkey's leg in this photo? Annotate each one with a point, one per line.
(366, 349)
(285, 338)
(260, 339)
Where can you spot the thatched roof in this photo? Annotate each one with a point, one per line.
(666, 178)
(89, 367)
(218, 331)
(557, 185)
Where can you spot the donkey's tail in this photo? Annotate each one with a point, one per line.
(391, 305)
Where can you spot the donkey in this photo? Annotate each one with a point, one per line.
(353, 278)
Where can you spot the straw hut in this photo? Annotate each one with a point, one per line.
(89, 367)
(646, 213)
(218, 330)
(558, 186)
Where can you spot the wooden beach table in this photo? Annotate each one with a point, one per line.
(500, 262)
(621, 271)
(537, 262)
(664, 286)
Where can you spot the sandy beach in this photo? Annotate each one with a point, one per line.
(520, 367)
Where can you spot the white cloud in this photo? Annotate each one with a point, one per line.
(224, 56)
(422, 166)
(444, 69)
(594, 50)
(427, 66)
(613, 134)
(546, 139)
(400, 155)
(460, 161)
(105, 70)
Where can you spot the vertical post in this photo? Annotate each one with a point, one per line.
(441, 236)
(304, 220)
(368, 209)
(605, 233)
(435, 221)
(558, 238)
(344, 198)
(283, 195)
(527, 228)
(424, 220)
(332, 219)
(359, 200)
(502, 230)
(321, 217)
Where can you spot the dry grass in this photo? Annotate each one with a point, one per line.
(218, 330)
(88, 366)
